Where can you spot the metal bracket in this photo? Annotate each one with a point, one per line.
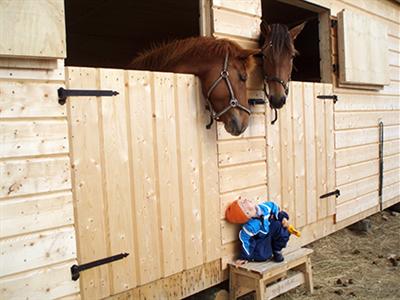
(335, 68)
(324, 97)
(381, 141)
(75, 269)
(334, 23)
(336, 193)
(255, 101)
(63, 94)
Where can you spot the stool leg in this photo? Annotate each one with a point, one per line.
(232, 284)
(308, 275)
(260, 290)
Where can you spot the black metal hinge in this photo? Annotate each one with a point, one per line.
(75, 269)
(255, 101)
(324, 97)
(333, 23)
(336, 193)
(63, 94)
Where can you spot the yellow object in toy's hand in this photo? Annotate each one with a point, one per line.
(294, 231)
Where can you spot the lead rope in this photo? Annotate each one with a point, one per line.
(273, 108)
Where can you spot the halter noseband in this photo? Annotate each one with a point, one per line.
(267, 79)
(233, 101)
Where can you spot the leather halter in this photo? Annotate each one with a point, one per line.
(268, 78)
(233, 101)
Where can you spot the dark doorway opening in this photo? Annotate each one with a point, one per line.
(307, 65)
(106, 33)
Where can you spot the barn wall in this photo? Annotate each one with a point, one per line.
(36, 206)
(357, 115)
(251, 165)
(37, 234)
(144, 180)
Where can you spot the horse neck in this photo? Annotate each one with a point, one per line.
(162, 60)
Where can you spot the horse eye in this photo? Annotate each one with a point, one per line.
(243, 77)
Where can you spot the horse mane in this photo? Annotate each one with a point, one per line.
(166, 56)
(281, 40)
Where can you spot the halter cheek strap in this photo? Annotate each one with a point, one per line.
(233, 102)
(267, 79)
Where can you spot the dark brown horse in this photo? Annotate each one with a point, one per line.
(222, 67)
(278, 52)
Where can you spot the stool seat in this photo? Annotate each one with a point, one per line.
(261, 277)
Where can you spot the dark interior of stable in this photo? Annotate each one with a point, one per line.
(109, 34)
(307, 63)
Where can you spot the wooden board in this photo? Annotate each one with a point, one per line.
(25, 28)
(116, 180)
(232, 152)
(28, 138)
(143, 164)
(24, 63)
(28, 176)
(84, 119)
(235, 24)
(251, 7)
(145, 177)
(55, 279)
(35, 213)
(241, 176)
(355, 31)
(30, 99)
(306, 153)
(37, 250)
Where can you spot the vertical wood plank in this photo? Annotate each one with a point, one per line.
(320, 150)
(330, 150)
(311, 159)
(209, 182)
(189, 161)
(299, 155)
(169, 202)
(274, 159)
(87, 178)
(146, 223)
(117, 180)
(285, 114)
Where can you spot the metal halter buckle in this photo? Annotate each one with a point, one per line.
(233, 102)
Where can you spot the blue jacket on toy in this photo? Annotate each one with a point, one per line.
(264, 235)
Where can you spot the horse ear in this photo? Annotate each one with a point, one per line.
(265, 28)
(294, 32)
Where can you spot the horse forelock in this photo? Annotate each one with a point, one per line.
(166, 56)
(281, 41)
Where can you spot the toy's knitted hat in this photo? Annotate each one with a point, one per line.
(235, 214)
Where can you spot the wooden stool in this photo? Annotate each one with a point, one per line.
(259, 276)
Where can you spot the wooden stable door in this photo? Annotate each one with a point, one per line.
(145, 177)
(300, 160)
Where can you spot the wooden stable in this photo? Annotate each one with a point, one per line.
(139, 173)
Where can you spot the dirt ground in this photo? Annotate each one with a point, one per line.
(351, 264)
(354, 265)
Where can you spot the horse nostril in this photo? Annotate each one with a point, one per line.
(283, 100)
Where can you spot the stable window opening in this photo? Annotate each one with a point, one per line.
(313, 64)
(110, 34)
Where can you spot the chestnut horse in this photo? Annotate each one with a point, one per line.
(278, 51)
(222, 67)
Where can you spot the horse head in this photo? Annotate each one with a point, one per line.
(224, 86)
(222, 66)
(278, 52)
